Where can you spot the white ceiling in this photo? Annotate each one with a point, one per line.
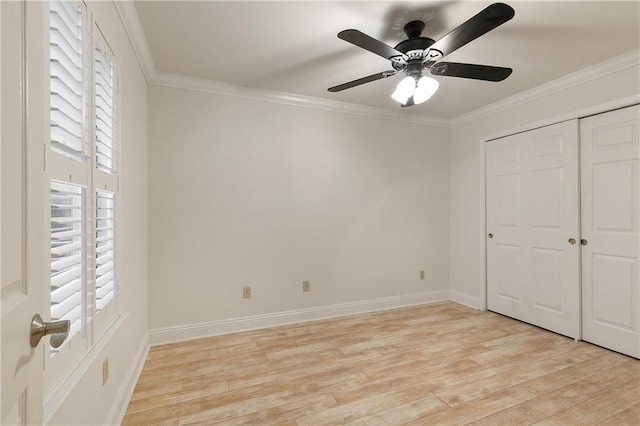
(292, 46)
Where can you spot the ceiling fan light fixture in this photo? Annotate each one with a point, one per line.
(404, 90)
(426, 88)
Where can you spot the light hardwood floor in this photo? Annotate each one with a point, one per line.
(433, 364)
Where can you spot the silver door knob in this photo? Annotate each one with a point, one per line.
(59, 330)
(572, 241)
(584, 242)
(490, 235)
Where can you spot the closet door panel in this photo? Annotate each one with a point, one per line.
(532, 213)
(610, 152)
(555, 228)
(505, 268)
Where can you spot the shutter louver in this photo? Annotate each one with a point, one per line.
(105, 247)
(105, 112)
(67, 87)
(67, 248)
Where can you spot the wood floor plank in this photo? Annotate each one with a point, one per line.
(282, 370)
(426, 370)
(577, 372)
(629, 417)
(354, 411)
(149, 389)
(481, 407)
(405, 413)
(554, 402)
(286, 413)
(370, 389)
(329, 385)
(596, 410)
(512, 377)
(247, 406)
(157, 414)
(433, 364)
(607, 402)
(162, 399)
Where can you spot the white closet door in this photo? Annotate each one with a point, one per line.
(533, 259)
(610, 216)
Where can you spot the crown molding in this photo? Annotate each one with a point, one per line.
(227, 89)
(601, 69)
(132, 26)
(131, 22)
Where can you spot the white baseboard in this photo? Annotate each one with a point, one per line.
(195, 331)
(121, 401)
(465, 299)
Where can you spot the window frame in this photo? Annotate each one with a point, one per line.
(105, 181)
(60, 363)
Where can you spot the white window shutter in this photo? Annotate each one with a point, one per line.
(105, 111)
(105, 249)
(67, 255)
(68, 79)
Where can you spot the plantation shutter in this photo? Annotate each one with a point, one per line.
(106, 120)
(67, 260)
(105, 249)
(67, 79)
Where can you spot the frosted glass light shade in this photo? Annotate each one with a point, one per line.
(404, 90)
(426, 88)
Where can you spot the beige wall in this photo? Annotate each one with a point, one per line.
(251, 193)
(465, 237)
(89, 402)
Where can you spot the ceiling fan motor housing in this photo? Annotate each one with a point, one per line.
(419, 43)
(415, 49)
(413, 29)
(414, 41)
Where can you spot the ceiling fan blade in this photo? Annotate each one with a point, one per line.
(408, 103)
(488, 19)
(476, 72)
(366, 42)
(362, 80)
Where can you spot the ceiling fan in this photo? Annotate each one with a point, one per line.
(417, 53)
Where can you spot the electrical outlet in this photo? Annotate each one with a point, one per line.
(422, 275)
(105, 370)
(306, 286)
(246, 292)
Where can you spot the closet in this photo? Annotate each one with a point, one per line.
(563, 236)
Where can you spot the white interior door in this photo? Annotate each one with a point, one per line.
(610, 214)
(533, 258)
(21, 230)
